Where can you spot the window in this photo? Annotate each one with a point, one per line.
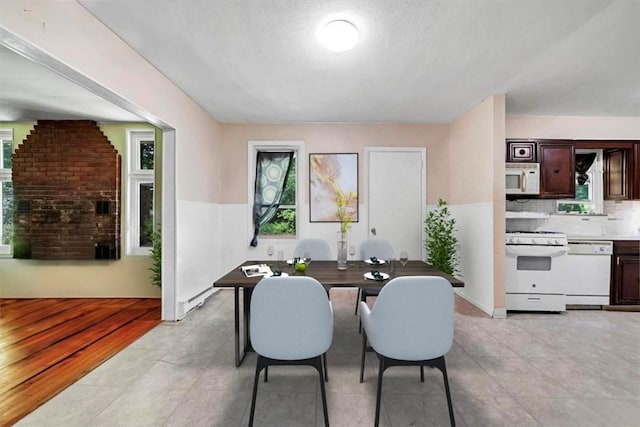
(284, 224)
(589, 192)
(284, 221)
(140, 190)
(6, 190)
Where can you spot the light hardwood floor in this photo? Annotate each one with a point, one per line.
(47, 344)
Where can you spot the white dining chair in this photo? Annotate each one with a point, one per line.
(380, 249)
(411, 324)
(291, 323)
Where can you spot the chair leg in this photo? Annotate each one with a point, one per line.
(448, 393)
(421, 373)
(323, 392)
(357, 302)
(381, 369)
(363, 297)
(364, 351)
(324, 367)
(255, 390)
(266, 374)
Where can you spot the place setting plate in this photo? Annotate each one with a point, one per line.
(376, 262)
(282, 274)
(370, 276)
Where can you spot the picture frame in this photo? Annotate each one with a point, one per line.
(329, 174)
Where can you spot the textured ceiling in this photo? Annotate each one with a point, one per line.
(418, 61)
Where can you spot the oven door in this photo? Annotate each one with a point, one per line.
(536, 269)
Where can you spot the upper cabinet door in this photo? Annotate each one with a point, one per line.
(557, 169)
(616, 181)
(521, 151)
(636, 171)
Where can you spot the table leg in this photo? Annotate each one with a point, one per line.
(247, 317)
(236, 324)
(246, 307)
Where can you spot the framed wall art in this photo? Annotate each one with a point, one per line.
(333, 181)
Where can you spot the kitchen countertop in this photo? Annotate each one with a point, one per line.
(605, 237)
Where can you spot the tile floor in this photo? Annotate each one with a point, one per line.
(580, 368)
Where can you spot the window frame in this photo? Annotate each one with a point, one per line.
(136, 177)
(6, 175)
(252, 152)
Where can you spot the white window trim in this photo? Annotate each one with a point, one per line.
(252, 152)
(136, 177)
(5, 175)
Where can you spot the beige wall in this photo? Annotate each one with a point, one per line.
(472, 149)
(569, 127)
(477, 199)
(332, 138)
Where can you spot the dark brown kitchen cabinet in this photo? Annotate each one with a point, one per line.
(557, 169)
(635, 167)
(521, 151)
(616, 174)
(625, 272)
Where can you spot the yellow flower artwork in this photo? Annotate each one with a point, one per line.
(333, 184)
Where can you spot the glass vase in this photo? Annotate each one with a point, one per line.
(342, 251)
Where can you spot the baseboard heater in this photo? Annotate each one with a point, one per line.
(185, 307)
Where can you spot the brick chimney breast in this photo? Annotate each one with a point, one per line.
(66, 181)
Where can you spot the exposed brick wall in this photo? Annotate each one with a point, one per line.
(62, 172)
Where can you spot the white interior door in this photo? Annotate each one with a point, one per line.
(397, 197)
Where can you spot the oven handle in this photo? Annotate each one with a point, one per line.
(529, 250)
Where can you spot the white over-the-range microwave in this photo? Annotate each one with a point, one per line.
(522, 178)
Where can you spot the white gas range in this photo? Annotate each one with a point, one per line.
(536, 270)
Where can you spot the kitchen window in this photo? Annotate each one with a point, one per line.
(589, 185)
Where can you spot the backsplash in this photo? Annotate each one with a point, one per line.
(621, 218)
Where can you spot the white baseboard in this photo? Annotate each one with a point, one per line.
(499, 313)
(185, 307)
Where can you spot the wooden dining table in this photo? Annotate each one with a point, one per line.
(325, 272)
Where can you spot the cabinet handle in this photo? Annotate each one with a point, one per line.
(556, 170)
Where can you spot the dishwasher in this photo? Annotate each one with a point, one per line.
(588, 273)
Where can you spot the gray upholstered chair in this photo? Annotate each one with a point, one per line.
(318, 248)
(380, 249)
(411, 323)
(291, 324)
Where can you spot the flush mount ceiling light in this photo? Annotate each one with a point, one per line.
(338, 36)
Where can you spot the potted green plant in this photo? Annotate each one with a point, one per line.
(155, 254)
(441, 242)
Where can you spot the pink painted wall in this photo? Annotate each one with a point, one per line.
(67, 31)
(335, 138)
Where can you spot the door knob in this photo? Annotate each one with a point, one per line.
(373, 231)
